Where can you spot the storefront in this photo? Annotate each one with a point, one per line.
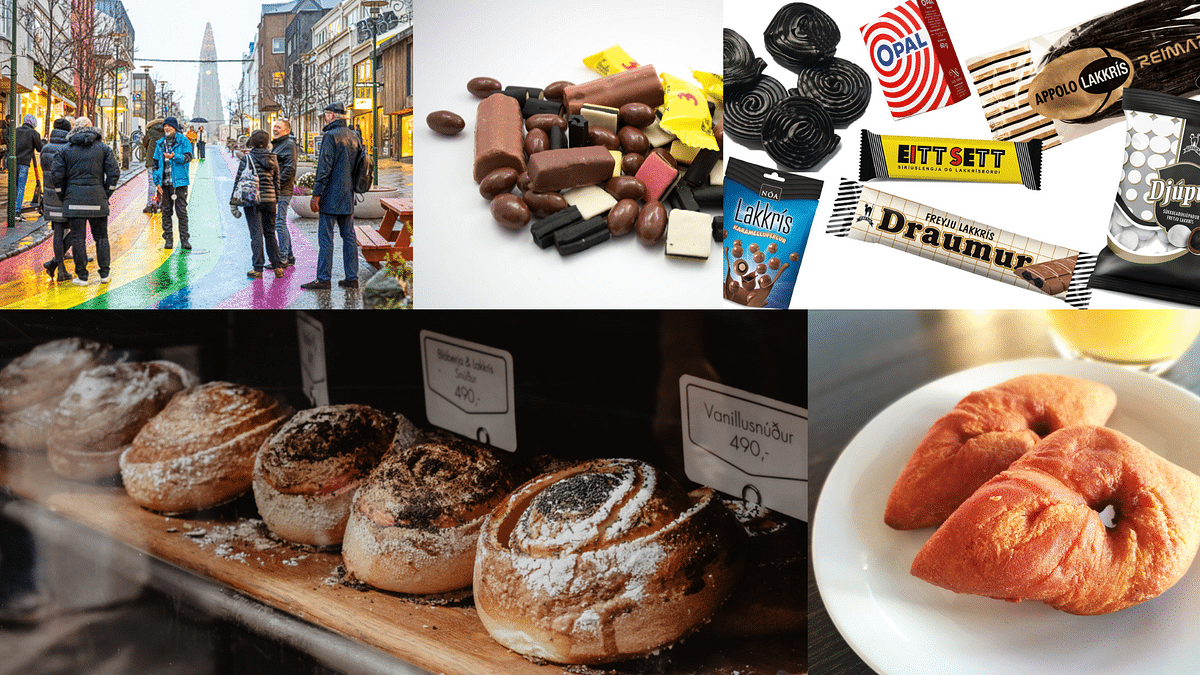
(400, 136)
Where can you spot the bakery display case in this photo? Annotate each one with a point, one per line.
(91, 581)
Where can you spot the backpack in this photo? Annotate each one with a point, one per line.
(245, 193)
(364, 171)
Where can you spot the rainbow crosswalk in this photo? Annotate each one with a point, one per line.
(144, 275)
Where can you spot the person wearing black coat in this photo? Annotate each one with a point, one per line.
(261, 216)
(28, 140)
(285, 151)
(333, 198)
(52, 206)
(85, 174)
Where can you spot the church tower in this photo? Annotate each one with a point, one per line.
(208, 88)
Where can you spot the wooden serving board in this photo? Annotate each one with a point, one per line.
(231, 546)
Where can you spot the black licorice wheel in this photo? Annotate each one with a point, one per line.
(841, 87)
(745, 110)
(797, 133)
(742, 68)
(801, 34)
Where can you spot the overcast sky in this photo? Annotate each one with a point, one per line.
(175, 30)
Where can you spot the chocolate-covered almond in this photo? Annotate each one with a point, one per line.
(632, 139)
(445, 122)
(622, 217)
(554, 90)
(543, 204)
(626, 187)
(631, 162)
(544, 121)
(719, 132)
(510, 211)
(601, 136)
(670, 159)
(523, 181)
(652, 223)
(498, 182)
(536, 141)
(483, 86)
(636, 114)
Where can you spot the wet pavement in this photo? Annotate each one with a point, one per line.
(211, 275)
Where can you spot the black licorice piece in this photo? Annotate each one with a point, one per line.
(544, 229)
(742, 68)
(800, 34)
(709, 195)
(575, 232)
(558, 138)
(718, 228)
(577, 131)
(584, 243)
(841, 87)
(745, 110)
(537, 106)
(522, 94)
(684, 198)
(702, 164)
(797, 133)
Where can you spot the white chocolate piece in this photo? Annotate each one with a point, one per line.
(684, 154)
(689, 234)
(592, 200)
(1178, 235)
(717, 175)
(657, 136)
(600, 116)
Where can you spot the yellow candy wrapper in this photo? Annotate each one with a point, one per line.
(713, 85)
(611, 60)
(685, 113)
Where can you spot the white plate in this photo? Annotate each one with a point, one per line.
(899, 624)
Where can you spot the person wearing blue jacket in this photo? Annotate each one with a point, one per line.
(333, 198)
(172, 154)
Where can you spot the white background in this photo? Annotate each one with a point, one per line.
(465, 259)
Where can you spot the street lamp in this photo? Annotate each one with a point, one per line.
(375, 20)
(117, 37)
(304, 60)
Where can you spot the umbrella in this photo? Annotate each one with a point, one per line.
(198, 120)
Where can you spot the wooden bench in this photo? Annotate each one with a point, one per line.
(377, 244)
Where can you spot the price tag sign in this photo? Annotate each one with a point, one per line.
(745, 445)
(469, 389)
(312, 359)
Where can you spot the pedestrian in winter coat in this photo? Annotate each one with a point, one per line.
(333, 198)
(28, 140)
(200, 143)
(52, 204)
(85, 173)
(284, 149)
(172, 154)
(154, 131)
(260, 217)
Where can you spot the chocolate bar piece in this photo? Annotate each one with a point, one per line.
(555, 170)
(698, 172)
(640, 85)
(1052, 276)
(544, 229)
(600, 116)
(869, 215)
(572, 238)
(499, 141)
(577, 131)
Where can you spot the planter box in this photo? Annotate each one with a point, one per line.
(300, 206)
